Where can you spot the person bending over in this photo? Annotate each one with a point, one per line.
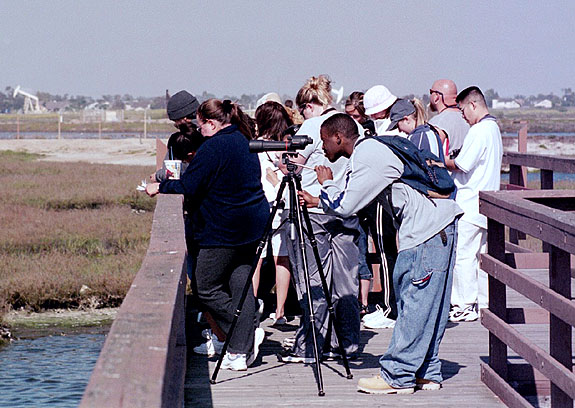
(423, 271)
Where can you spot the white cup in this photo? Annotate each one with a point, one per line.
(173, 169)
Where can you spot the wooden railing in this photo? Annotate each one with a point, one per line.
(548, 216)
(546, 164)
(142, 363)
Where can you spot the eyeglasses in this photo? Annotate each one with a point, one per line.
(301, 108)
(432, 91)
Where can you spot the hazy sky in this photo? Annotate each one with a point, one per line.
(141, 47)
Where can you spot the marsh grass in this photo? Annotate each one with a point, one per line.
(69, 225)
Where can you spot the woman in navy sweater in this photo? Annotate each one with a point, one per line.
(226, 211)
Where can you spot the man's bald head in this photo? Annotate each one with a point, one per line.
(442, 94)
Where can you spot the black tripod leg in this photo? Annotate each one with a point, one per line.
(294, 203)
(326, 290)
(246, 289)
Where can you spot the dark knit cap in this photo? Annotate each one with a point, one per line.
(181, 105)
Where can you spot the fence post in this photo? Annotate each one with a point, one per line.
(560, 344)
(546, 179)
(522, 147)
(497, 297)
(145, 124)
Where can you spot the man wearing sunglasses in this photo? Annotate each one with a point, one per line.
(448, 120)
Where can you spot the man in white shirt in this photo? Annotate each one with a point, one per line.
(476, 168)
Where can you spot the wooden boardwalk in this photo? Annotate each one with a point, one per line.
(270, 383)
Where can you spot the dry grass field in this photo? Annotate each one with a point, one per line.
(68, 226)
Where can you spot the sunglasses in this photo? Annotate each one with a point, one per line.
(432, 91)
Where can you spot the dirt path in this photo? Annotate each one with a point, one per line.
(118, 151)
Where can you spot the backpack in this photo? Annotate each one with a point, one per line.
(422, 170)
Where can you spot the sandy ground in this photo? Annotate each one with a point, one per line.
(143, 152)
(117, 151)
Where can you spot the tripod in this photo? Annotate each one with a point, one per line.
(297, 214)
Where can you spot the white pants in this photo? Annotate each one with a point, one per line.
(469, 282)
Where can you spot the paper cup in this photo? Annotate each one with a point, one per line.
(173, 169)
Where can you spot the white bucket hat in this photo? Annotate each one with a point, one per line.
(377, 99)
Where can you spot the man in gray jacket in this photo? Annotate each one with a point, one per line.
(426, 242)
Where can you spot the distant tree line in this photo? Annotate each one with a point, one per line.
(66, 102)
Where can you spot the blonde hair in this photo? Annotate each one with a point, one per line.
(317, 90)
(420, 114)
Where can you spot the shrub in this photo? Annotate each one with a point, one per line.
(69, 225)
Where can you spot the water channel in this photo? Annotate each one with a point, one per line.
(49, 368)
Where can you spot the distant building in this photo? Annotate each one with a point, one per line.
(57, 106)
(545, 103)
(504, 104)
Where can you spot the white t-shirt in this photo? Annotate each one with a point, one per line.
(315, 157)
(480, 168)
(381, 126)
(268, 160)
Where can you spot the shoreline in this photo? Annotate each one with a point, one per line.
(21, 324)
(130, 152)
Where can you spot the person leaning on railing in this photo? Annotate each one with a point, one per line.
(229, 210)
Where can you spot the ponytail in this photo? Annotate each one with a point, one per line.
(227, 113)
(420, 113)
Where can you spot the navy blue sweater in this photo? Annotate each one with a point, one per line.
(223, 192)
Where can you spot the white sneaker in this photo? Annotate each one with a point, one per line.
(467, 314)
(259, 336)
(379, 322)
(277, 322)
(374, 315)
(234, 362)
(288, 342)
(211, 347)
(259, 310)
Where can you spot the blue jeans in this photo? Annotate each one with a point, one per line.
(363, 269)
(422, 280)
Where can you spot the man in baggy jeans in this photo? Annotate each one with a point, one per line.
(426, 242)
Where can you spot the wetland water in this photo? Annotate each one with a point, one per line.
(49, 370)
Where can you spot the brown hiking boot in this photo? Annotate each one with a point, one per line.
(377, 385)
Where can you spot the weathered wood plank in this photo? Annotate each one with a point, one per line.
(559, 164)
(142, 362)
(508, 395)
(270, 383)
(530, 288)
(533, 354)
(542, 222)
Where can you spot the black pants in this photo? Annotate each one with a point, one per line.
(220, 275)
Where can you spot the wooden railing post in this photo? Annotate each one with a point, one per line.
(560, 344)
(497, 297)
(546, 184)
(517, 176)
(546, 179)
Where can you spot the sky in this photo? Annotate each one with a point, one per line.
(231, 47)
